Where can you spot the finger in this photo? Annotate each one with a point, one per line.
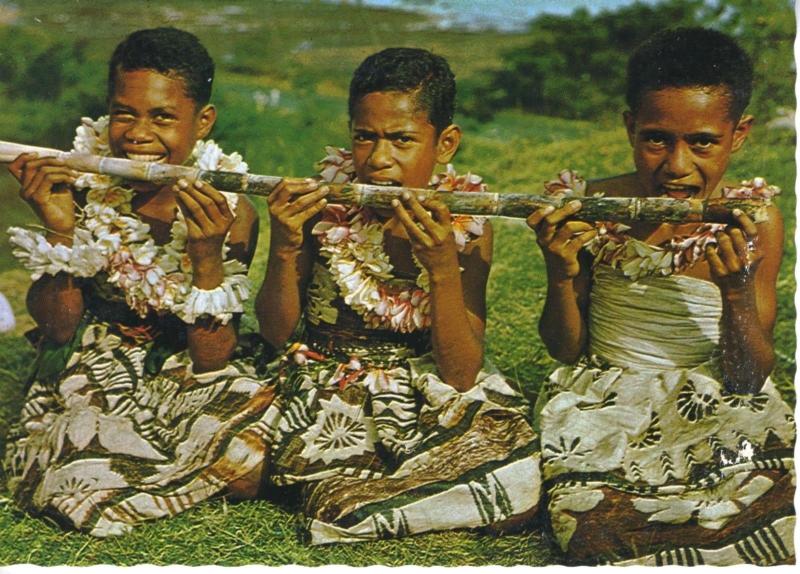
(745, 223)
(215, 208)
(276, 192)
(290, 187)
(441, 213)
(38, 172)
(212, 193)
(193, 211)
(727, 254)
(218, 208)
(563, 213)
(17, 167)
(301, 203)
(579, 240)
(45, 181)
(740, 244)
(192, 229)
(410, 225)
(715, 264)
(313, 210)
(420, 213)
(535, 218)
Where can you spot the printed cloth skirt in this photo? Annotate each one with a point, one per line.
(647, 459)
(384, 448)
(113, 440)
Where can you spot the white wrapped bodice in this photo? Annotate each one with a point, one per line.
(656, 322)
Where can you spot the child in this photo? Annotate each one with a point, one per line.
(385, 408)
(666, 442)
(134, 411)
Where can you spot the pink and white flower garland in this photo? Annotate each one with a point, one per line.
(109, 238)
(351, 239)
(613, 246)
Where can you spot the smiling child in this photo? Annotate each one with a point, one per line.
(665, 442)
(134, 407)
(386, 410)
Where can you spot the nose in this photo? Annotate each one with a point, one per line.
(679, 161)
(381, 156)
(139, 131)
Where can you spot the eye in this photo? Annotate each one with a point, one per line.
(163, 118)
(655, 140)
(404, 139)
(703, 142)
(121, 116)
(360, 137)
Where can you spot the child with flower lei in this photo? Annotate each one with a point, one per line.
(667, 429)
(386, 409)
(135, 408)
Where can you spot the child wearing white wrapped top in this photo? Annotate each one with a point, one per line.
(664, 440)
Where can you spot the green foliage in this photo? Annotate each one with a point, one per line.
(574, 66)
(47, 84)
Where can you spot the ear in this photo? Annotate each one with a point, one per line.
(205, 120)
(447, 144)
(630, 125)
(741, 131)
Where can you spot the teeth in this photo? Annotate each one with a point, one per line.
(143, 157)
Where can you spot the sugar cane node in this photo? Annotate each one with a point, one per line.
(515, 205)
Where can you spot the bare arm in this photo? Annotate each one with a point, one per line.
(748, 299)
(208, 221)
(563, 325)
(458, 314)
(458, 299)
(54, 302)
(279, 304)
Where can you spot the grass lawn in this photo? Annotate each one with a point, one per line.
(307, 52)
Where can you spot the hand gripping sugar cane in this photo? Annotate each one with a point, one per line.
(519, 205)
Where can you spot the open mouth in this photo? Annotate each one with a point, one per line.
(679, 191)
(157, 158)
(385, 182)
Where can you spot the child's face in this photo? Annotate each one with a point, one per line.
(152, 118)
(682, 140)
(394, 143)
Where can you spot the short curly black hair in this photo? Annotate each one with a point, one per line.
(168, 51)
(409, 70)
(690, 57)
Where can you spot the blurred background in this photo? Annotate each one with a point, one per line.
(540, 88)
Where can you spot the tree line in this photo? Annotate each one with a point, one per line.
(574, 66)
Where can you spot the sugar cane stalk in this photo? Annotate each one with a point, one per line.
(518, 205)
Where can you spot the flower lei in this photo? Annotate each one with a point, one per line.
(351, 239)
(110, 239)
(613, 246)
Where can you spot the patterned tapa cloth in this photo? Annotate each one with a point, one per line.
(382, 446)
(117, 430)
(646, 458)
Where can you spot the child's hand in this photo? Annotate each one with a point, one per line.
(47, 187)
(431, 236)
(732, 262)
(208, 220)
(292, 203)
(560, 238)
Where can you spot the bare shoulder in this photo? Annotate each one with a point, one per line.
(624, 185)
(771, 231)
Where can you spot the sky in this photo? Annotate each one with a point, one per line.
(500, 14)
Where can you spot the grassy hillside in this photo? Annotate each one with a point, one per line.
(307, 51)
